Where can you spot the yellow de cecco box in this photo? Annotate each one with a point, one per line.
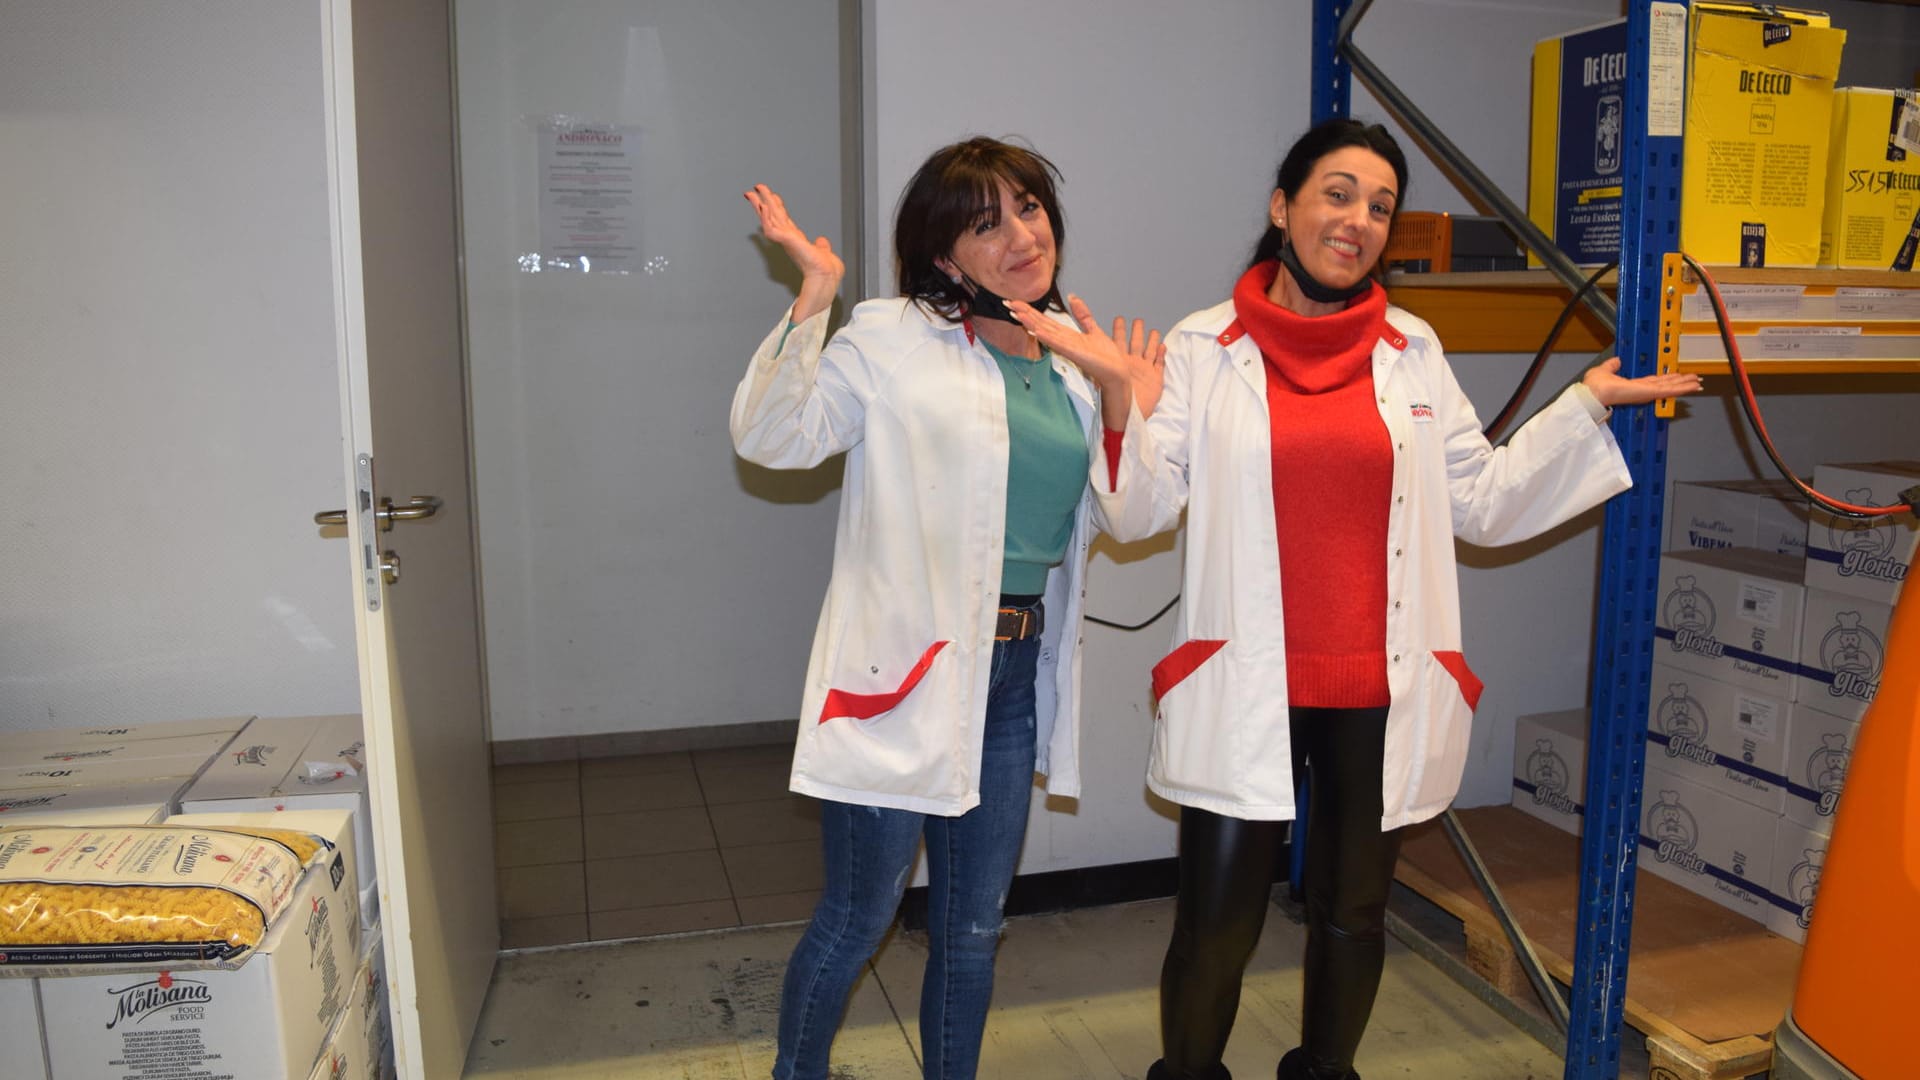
(1872, 216)
(1759, 98)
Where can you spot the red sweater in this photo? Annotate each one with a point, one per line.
(1332, 483)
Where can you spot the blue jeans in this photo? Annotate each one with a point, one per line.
(869, 853)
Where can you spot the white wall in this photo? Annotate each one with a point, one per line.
(170, 418)
(637, 575)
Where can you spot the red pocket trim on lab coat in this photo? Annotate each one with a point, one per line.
(1183, 662)
(842, 703)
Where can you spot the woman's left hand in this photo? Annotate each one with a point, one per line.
(1604, 380)
(1127, 366)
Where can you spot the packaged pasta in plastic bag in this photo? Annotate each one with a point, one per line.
(78, 898)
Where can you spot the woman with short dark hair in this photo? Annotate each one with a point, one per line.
(945, 669)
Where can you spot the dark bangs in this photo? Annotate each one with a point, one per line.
(954, 190)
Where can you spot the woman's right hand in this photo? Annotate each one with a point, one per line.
(820, 269)
(1128, 368)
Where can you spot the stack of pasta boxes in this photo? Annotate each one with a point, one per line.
(1769, 644)
(191, 899)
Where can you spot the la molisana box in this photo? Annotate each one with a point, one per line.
(1574, 172)
(1872, 216)
(1759, 98)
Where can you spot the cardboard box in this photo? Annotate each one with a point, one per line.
(1759, 100)
(1868, 559)
(264, 1020)
(108, 774)
(1576, 170)
(1842, 652)
(1799, 854)
(1767, 514)
(162, 752)
(360, 1046)
(297, 763)
(1872, 214)
(52, 738)
(1819, 749)
(1728, 739)
(1550, 767)
(26, 1052)
(1705, 842)
(1732, 615)
(147, 802)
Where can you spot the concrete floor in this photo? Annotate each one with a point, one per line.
(1076, 997)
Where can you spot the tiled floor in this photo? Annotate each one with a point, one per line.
(1076, 998)
(600, 849)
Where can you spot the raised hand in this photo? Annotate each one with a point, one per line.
(820, 269)
(1610, 389)
(1128, 367)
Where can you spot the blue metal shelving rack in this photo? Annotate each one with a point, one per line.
(1629, 577)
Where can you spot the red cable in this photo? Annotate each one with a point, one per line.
(1739, 365)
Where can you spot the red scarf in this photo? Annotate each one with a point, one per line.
(1332, 485)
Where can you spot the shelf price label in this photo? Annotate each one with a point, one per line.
(1878, 303)
(1748, 302)
(1811, 342)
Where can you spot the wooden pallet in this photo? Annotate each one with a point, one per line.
(1705, 985)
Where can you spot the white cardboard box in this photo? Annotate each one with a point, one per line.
(1550, 767)
(1730, 739)
(52, 738)
(182, 755)
(1819, 749)
(1705, 842)
(297, 763)
(1799, 853)
(1867, 559)
(264, 1020)
(25, 1055)
(1732, 615)
(360, 1046)
(146, 802)
(1842, 652)
(1767, 514)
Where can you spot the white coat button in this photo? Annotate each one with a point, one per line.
(1383, 401)
(1401, 446)
(1396, 658)
(1396, 553)
(1399, 498)
(1396, 605)
(875, 670)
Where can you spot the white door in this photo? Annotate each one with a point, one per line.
(404, 392)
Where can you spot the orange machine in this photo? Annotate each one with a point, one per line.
(1854, 1007)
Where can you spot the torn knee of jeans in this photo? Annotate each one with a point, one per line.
(986, 931)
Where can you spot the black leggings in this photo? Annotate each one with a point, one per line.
(1227, 868)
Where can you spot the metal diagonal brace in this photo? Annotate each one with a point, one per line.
(1477, 182)
(1549, 994)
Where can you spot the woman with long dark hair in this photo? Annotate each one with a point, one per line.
(1326, 459)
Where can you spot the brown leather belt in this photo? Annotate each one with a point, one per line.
(1017, 624)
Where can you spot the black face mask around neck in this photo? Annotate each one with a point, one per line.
(988, 304)
(1310, 287)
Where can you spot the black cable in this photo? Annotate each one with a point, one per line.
(1505, 416)
(1151, 619)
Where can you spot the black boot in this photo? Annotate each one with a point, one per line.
(1160, 1071)
(1294, 1066)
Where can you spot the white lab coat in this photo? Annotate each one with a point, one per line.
(1220, 732)
(896, 689)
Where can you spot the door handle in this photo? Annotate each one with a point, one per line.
(419, 506)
